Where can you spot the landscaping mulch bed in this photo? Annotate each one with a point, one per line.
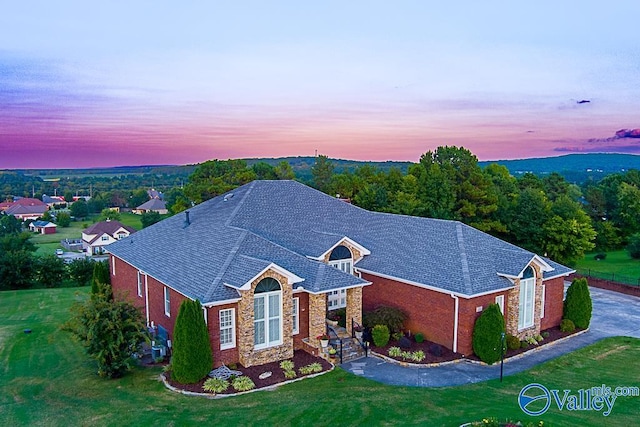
(426, 346)
(448, 355)
(554, 334)
(300, 358)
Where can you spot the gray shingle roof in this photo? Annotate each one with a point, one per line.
(231, 239)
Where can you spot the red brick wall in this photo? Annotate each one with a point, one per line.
(125, 283)
(303, 316)
(467, 316)
(554, 295)
(428, 311)
(213, 322)
(156, 305)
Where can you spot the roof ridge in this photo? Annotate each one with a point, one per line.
(466, 276)
(240, 203)
(226, 264)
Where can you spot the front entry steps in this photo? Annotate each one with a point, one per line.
(351, 348)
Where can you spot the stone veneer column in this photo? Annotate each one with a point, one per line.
(317, 316)
(354, 307)
(247, 355)
(514, 304)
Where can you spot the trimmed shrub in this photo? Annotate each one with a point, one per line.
(577, 304)
(524, 344)
(404, 342)
(567, 325)
(545, 334)
(419, 337)
(380, 334)
(392, 317)
(487, 338)
(435, 349)
(192, 359)
(215, 385)
(513, 342)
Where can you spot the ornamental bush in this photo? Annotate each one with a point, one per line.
(243, 384)
(513, 342)
(567, 325)
(577, 304)
(419, 337)
(215, 385)
(380, 335)
(487, 334)
(192, 359)
(392, 317)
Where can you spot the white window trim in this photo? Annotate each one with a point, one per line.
(337, 299)
(527, 306)
(542, 301)
(167, 302)
(296, 316)
(139, 283)
(500, 302)
(345, 265)
(232, 327)
(267, 315)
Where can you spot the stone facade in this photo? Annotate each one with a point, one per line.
(513, 298)
(248, 356)
(354, 307)
(317, 316)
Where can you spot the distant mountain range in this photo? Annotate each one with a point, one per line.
(574, 167)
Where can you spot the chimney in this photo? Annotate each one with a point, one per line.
(187, 221)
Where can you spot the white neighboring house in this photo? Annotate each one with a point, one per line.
(103, 233)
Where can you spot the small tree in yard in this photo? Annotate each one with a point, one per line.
(577, 304)
(100, 277)
(192, 359)
(487, 334)
(111, 331)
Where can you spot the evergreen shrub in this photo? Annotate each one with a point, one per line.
(192, 359)
(577, 304)
(487, 334)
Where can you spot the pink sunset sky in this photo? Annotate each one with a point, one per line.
(85, 84)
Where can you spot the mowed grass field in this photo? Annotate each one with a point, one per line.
(47, 380)
(616, 262)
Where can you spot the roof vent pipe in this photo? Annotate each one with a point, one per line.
(187, 221)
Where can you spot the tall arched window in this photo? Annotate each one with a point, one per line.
(527, 298)
(342, 259)
(267, 313)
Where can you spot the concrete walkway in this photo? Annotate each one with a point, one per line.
(614, 314)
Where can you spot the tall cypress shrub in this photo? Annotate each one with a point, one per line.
(577, 304)
(192, 359)
(487, 334)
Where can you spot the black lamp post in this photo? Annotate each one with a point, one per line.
(502, 337)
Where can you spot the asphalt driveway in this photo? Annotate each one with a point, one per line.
(614, 314)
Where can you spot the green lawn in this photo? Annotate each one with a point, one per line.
(46, 379)
(48, 243)
(618, 263)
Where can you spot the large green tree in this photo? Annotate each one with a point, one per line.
(192, 358)
(216, 177)
(322, 170)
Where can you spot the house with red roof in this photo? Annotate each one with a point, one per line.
(27, 209)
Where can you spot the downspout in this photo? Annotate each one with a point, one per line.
(146, 297)
(455, 323)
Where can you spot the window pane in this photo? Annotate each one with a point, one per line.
(274, 306)
(258, 308)
(258, 327)
(274, 330)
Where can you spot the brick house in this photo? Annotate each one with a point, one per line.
(270, 258)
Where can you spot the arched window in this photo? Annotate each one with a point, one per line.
(267, 313)
(527, 299)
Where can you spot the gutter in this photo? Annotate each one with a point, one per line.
(455, 322)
